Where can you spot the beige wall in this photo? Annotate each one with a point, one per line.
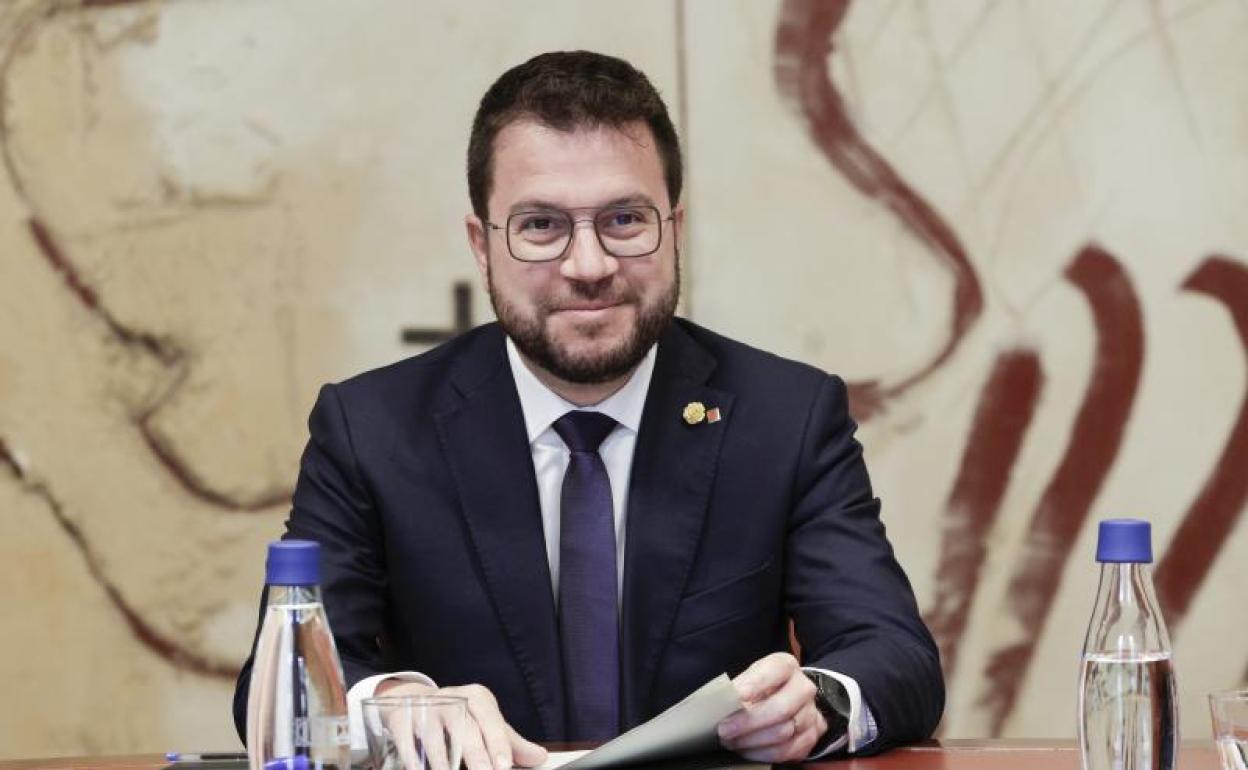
(210, 207)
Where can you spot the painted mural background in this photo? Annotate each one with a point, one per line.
(1018, 228)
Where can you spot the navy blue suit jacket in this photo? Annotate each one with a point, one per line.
(418, 482)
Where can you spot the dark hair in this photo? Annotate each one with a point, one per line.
(567, 90)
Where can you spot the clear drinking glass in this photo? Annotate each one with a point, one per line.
(415, 732)
(1230, 727)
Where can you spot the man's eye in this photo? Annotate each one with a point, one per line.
(624, 221)
(536, 223)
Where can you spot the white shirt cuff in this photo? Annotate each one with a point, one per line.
(365, 689)
(861, 730)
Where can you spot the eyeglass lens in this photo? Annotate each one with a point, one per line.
(623, 231)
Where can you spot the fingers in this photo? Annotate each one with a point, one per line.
(484, 709)
(779, 722)
(790, 742)
(399, 722)
(795, 749)
(784, 732)
(431, 741)
(769, 736)
(476, 756)
(525, 753)
(780, 706)
(485, 740)
(491, 743)
(415, 740)
(765, 676)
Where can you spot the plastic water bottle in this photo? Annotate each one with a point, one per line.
(1128, 711)
(297, 704)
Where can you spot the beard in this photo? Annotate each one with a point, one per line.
(535, 340)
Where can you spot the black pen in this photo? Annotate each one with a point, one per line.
(179, 756)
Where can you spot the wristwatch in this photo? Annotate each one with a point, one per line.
(829, 694)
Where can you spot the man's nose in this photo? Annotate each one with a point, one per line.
(586, 260)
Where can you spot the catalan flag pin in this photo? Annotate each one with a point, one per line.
(695, 412)
(713, 415)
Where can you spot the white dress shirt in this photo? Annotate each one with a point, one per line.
(541, 407)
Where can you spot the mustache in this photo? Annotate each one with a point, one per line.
(600, 293)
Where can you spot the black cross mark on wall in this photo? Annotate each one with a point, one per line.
(462, 299)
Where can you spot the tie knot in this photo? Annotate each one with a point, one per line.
(584, 431)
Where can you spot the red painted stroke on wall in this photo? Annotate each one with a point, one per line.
(172, 356)
(803, 45)
(1090, 451)
(158, 643)
(1212, 516)
(162, 347)
(1006, 407)
(163, 350)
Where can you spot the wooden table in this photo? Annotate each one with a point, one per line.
(933, 755)
(1006, 755)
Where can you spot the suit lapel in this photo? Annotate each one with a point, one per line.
(673, 469)
(487, 448)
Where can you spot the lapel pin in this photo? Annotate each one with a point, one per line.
(713, 415)
(695, 412)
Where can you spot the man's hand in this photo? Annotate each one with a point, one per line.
(489, 743)
(779, 722)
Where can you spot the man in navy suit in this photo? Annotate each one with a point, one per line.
(577, 515)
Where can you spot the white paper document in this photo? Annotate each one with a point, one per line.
(557, 759)
(686, 728)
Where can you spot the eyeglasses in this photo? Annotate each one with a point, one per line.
(543, 235)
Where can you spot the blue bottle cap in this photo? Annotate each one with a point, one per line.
(293, 563)
(297, 762)
(1125, 540)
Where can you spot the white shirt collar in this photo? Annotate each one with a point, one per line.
(542, 406)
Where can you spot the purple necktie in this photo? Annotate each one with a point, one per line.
(588, 623)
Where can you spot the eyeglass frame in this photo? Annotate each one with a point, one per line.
(572, 232)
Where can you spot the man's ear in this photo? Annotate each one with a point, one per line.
(678, 228)
(478, 241)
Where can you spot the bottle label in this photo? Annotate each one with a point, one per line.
(302, 735)
(333, 731)
(342, 732)
(310, 732)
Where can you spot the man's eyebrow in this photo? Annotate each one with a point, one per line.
(633, 200)
(538, 204)
(531, 204)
